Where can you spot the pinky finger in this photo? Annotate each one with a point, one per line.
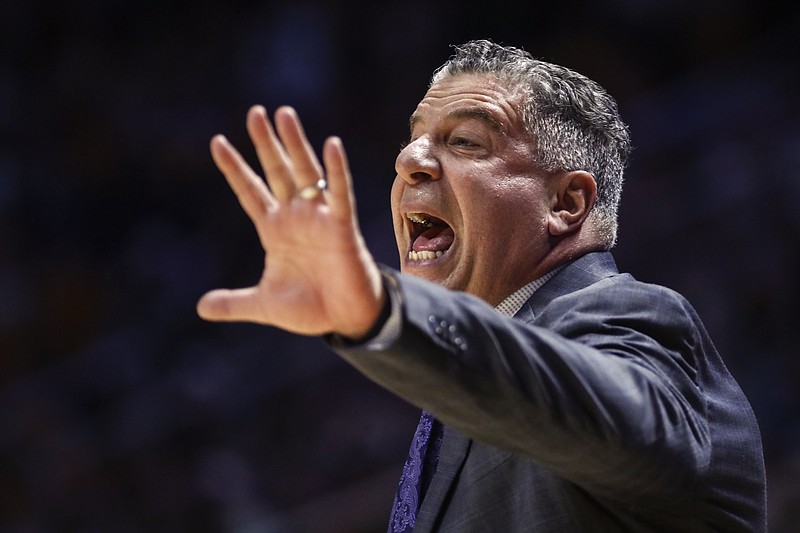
(341, 198)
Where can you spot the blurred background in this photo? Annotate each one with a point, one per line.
(121, 411)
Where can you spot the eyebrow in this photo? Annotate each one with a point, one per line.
(465, 113)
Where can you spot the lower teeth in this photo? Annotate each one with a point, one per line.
(425, 254)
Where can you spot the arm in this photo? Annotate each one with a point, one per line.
(602, 396)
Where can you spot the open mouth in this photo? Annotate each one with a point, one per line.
(430, 237)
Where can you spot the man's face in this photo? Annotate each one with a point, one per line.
(468, 204)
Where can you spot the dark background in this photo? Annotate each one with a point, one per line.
(121, 411)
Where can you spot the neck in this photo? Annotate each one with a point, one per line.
(566, 249)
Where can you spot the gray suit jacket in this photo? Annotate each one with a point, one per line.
(602, 406)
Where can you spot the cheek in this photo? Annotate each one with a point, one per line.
(513, 219)
(396, 195)
(397, 192)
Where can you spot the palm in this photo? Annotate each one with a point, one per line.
(318, 275)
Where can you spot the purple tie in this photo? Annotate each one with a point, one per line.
(422, 459)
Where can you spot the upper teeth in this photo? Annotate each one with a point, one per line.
(419, 218)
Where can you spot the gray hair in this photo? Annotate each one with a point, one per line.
(574, 121)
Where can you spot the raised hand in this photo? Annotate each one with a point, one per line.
(318, 275)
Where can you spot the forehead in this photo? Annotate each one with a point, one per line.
(480, 96)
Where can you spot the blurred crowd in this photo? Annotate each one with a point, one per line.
(121, 411)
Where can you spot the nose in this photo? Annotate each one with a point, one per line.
(416, 162)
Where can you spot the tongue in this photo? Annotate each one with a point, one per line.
(437, 238)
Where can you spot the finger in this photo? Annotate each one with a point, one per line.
(231, 305)
(250, 190)
(341, 198)
(307, 170)
(273, 158)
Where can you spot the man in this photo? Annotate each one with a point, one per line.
(602, 404)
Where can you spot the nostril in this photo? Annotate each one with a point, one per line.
(420, 176)
(417, 163)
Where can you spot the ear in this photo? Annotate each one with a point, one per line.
(572, 198)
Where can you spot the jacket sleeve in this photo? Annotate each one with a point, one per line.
(602, 388)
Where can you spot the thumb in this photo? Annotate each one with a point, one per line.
(226, 305)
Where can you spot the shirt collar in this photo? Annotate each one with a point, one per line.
(517, 299)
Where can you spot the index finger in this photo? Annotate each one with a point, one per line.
(248, 187)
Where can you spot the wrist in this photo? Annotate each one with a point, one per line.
(384, 329)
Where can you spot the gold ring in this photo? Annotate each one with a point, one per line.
(309, 192)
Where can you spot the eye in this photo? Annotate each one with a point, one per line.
(463, 142)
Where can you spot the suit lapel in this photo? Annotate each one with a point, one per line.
(452, 455)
